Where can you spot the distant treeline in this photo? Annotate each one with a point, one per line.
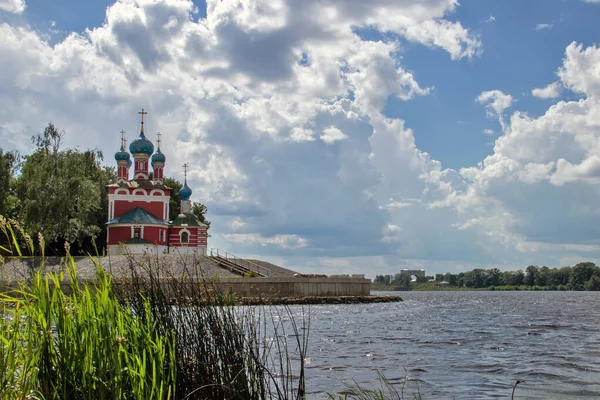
(583, 276)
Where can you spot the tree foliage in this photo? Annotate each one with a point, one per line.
(583, 276)
(175, 200)
(198, 209)
(62, 192)
(9, 163)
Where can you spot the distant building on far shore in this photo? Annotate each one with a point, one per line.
(414, 273)
(138, 208)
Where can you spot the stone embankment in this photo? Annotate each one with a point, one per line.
(320, 300)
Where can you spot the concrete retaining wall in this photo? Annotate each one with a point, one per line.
(267, 287)
(295, 287)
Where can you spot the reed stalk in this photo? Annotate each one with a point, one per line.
(145, 334)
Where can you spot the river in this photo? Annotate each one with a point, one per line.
(462, 345)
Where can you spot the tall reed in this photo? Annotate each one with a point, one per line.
(82, 344)
(224, 351)
(145, 334)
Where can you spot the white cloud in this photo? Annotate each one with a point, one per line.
(13, 6)
(495, 102)
(537, 190)
(282, 241)
(244, 95)
(580, 71)
(331, 134)
(302, 135)
(490, 19)
(551, 91)
(395, 205)
(541, 27)
(488, 131)
(592, 1)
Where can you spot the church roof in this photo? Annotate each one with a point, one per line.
(185, 193)
(137, 216)
(187, 220)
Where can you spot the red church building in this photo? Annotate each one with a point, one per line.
(138, 208)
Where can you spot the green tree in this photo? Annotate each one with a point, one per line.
(493, 278)
(475, 278)
(593, 284)
(542, 277)
(451, 279)
(530, 273)
(581, 274)
(518, 278)
(175, 200)
(404, 281)
(63, 193)
(560, 276)
(9, 203)
(200, 210)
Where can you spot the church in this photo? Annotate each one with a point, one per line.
(138, 206)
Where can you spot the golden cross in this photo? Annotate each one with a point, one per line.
(123, 140)
(185, 167)
(142, 113)
(158, 135)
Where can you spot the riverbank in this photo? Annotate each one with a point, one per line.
(421, 286)
(319, 300)
(434, 286)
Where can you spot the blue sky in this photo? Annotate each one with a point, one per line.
(337, 137)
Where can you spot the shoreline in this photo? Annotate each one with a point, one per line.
(256, 301)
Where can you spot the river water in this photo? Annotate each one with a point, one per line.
(460, 345)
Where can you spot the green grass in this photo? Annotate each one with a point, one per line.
(80, 345)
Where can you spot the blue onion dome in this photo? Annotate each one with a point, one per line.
(129, 163)
(158, 157)
(185, 193)
(122, 155)
(141, 145)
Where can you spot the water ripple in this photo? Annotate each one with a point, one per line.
(471, 345)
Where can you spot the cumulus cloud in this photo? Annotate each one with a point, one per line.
(13, 6)
(331, 134)
(282, 121)
(253, 96)
(580, 72)
(282, 241)
(534, 193)
(541, 27)
(551, 91)
(495, 102)
(488, 131)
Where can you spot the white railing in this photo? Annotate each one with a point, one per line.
(241, 262)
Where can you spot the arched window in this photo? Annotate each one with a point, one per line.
(185, 237)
